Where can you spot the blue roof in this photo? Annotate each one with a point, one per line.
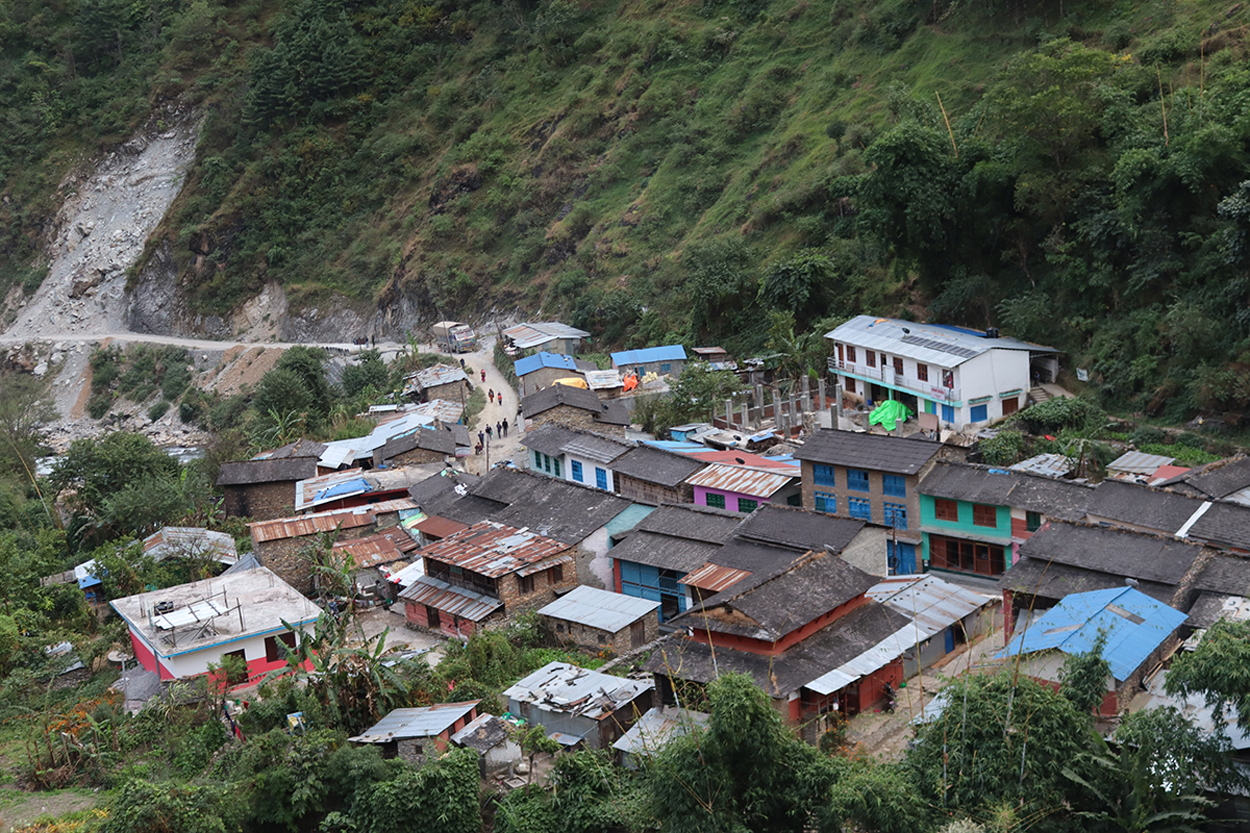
(540, 360)
(667, 353)
(1135, 625)
(348, 487)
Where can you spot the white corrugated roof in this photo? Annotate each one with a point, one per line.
(878, 656)
(939, 345)
(599, 609)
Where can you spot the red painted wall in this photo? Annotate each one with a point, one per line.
(772, 649)
(146, 658)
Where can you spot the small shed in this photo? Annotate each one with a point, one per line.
(543, 369)
(578, 703)
(442, 381)
(490, 738)
(1140, 632)
(598, 619)
(668, 360)
(654, 730)
(413, 734)
(1137, 465)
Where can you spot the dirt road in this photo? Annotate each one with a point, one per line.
(505, 406)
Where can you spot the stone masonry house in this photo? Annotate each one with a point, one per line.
(488, 570)
(424, 445)
(414, 735)
(574, 408)
(872, 477)
(575, 705)
(577, 456)
(442, 381)
(597, 619)
(282, 544)
(263, 489)
(653, 476)
(542, 369)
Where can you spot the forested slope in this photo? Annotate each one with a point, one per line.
(654, 169)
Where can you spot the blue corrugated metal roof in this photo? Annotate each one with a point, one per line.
(544, 359)
(667, 353)
(1135, 625)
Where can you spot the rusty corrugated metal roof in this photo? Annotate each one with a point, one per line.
(393, 505)
(492, 549)
(401, 539)
(455, 601)
(371, 551)
(313, 524)
(740, 479)
(714, 578)
(436, 526)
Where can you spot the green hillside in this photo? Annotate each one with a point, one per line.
(715, 171)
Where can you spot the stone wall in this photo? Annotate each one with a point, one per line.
(288, 559)
(415, 457)
(260, 501)
(651, 493)
(595, 640)
(452, 392)
(571, 417)
(544, 589)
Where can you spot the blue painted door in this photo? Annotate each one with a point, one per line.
(950, 639)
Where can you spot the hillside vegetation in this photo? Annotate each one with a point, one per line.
(733, 171)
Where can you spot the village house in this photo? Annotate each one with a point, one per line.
(717, 357)
(1227, 479)
(442, 381)
(549, 336)
(371, 556)
(574, 408)
(416, 735)
(668, 360)
(1137, 466)
(578, 706)
(191, 543)
(681, 554)
(424, 445)
(946, 616)
(743, 488)
(284, 544)
(491, 738)
(263, 489)
(806, 632)
(587, 519)
(599, 620)
(1223, 524)
(654, 476)
(179, 632)
(1223, 592)
(973, 519)
(360, 487)
(1140, 633)
(666, 546)
(487, 570)
(1062, 559)
(654, 730)
(542, 369)
(965, 377)
(577, 456)
(873, 477)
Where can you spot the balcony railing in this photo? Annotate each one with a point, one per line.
(887, 376)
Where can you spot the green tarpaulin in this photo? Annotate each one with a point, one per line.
(888, 414)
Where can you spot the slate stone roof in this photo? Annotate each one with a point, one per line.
(1229, 574)
(549, 438)
(557, 509)
(430, 439)
(610, 413)
(1130, 503)
(815, 584)
(876, 452)
(558, 439)
(651, 465)
(1065, 558)
(250, 472)
(664, 552)
(482, 734)
(802, 530)
(695, 523)
(843, 640)
(1062, 499)
(1215, 480)
(1224, 525)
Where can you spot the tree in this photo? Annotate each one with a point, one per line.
(533, 741)
(1084, 676)
(1219, 670)
(745, 771)
(1003, 740)
(441, 796)
(24, 411)
(369, 372)
(696, 394)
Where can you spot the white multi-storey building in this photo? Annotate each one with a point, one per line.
(963, 376)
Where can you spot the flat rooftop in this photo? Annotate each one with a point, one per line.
(213, 611)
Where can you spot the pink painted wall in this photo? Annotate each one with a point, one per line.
(731, 498)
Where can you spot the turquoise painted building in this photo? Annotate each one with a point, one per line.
(965, 536)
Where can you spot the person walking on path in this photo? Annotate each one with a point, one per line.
(483, 377)
(488, 432)
(481, 438)
(505, 427)
(498, 429)
(491, 396)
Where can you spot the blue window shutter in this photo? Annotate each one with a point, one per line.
(948, 413)
(601, 478)
(575, 468)
(980, 413)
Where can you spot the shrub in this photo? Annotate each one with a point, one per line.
(1147, 435)
(1054, 415)
(158, 410)
(1004, 449)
